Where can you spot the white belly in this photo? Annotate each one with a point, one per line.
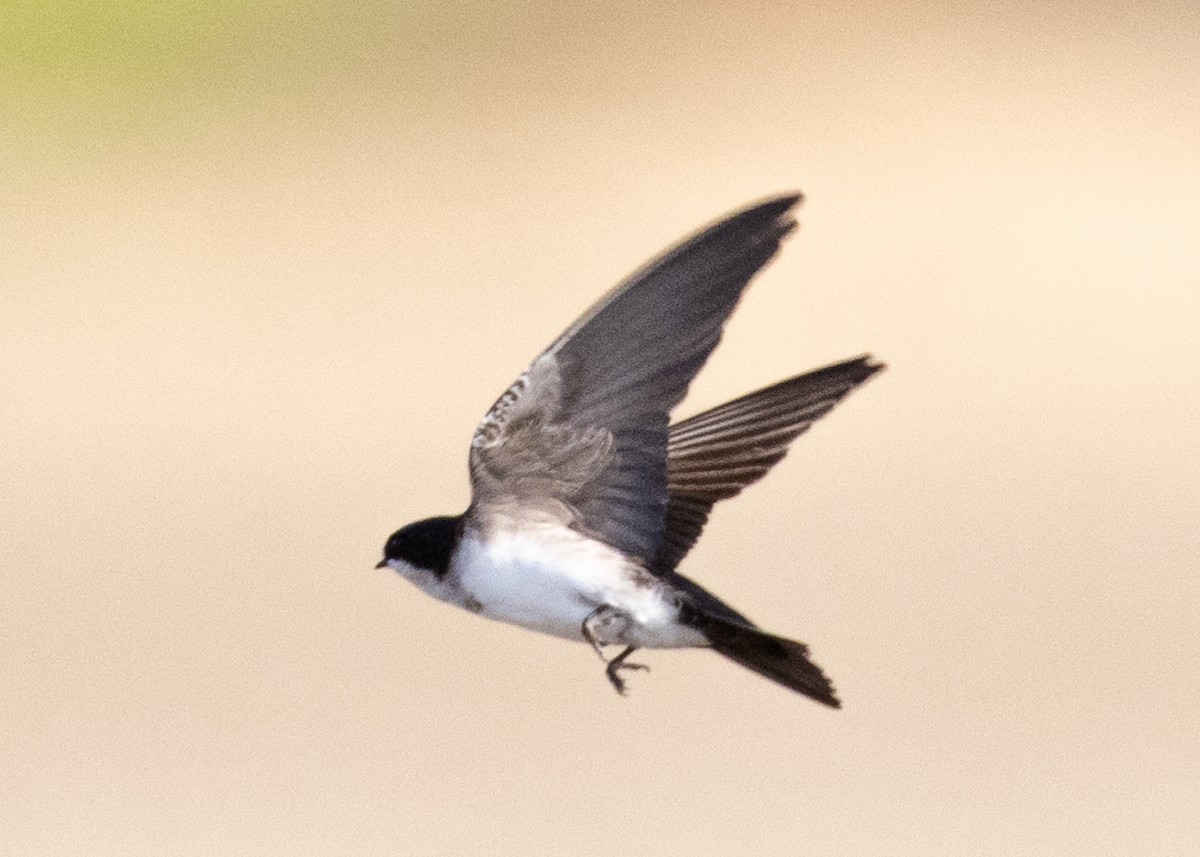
(551, 579)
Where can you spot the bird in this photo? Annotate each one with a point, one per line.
(585, 498)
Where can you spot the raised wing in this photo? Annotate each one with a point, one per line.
(714, 455)
(582, 434)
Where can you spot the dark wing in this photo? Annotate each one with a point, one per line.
(582, 435)
(714, 455)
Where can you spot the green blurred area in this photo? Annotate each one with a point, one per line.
(86, 63)
(66, 49)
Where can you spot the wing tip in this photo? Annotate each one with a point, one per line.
(768, 220)
(867, 366)
(776, 209)
(781, 202)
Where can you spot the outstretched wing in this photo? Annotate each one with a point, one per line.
(582, 434)
(714, 455)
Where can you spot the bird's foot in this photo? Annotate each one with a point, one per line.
(604, 626)
(619, 663)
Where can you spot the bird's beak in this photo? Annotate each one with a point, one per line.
(381, 564)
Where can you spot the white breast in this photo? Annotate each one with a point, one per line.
(550, 579)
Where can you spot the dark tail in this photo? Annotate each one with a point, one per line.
(783, 661)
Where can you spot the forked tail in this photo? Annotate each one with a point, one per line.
(781, 660)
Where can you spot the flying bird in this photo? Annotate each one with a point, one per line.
(585, 498)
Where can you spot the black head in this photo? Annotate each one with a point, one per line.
(426, 544)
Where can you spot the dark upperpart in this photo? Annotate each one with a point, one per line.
(425, 544)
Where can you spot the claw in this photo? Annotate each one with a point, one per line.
(619, 663)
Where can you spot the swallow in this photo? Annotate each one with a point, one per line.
(585, 498)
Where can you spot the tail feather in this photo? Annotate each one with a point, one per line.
(781, 660)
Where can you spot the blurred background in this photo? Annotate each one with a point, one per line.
(264, 265)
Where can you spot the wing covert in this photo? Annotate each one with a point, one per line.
(583, 432)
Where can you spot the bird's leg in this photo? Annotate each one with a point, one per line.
(598, 615)
(606, 625)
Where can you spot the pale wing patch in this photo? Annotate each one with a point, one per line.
(522, 454)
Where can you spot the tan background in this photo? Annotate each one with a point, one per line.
(264, 266)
